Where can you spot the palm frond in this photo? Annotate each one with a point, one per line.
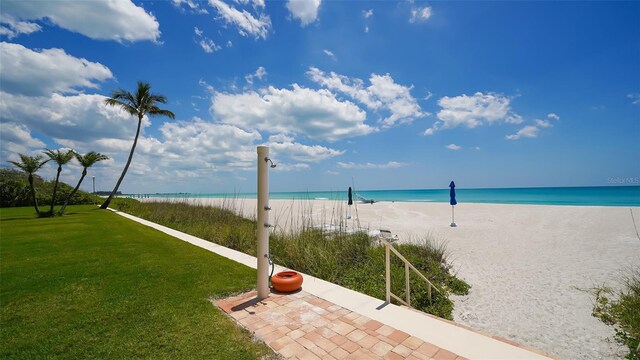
(129, 108)
(156, 111)
(59, 157)
(142, 93)
(158, 98)
(140, 103)
(30, 164)
(89, 159)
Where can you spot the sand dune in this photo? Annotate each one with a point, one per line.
(530, 266)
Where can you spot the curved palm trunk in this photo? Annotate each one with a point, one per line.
(55, 189)
(33, 194)
(66, 202)
(126, 167)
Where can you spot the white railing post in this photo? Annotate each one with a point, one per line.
(407, 286)
(263, 223)
(387, 262)
(407, 266)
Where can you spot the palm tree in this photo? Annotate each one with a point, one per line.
(141, 103)
(61, 158)
(87, 161)
(30, 165)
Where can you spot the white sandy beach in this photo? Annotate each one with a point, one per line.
(528, 265)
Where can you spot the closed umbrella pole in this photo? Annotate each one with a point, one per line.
(349, 202)
(453, 202)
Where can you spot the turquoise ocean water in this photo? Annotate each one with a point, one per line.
(585, 196)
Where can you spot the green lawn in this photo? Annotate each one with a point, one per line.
(92, 284)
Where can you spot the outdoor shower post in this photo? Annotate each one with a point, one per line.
(263, 222)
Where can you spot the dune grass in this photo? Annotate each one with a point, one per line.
(622, 311)
(92, 284)
(349, 260)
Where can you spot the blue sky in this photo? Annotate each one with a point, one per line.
(394, 95)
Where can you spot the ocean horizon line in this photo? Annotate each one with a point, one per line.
(613, 195)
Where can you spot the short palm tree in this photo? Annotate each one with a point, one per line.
(142, 103)
(87, 160)
(30, 165)
(60, 158)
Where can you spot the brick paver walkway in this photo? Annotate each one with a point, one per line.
(303, 326)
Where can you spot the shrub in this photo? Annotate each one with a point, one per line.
(622, 311)
(14, 191)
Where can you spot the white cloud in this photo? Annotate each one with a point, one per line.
(396, 98)
(367, 13)
(543, 123)
(260, 73)
(366, 29)
(383, 93)
(206, 86)
(352, 87)
(79, 117)
(205, 43)
(283, 146)
(473, 111)
(428, 96)
(420, 14)
(193, 149)
(13, 28)
(635, 98)
(17, 138)
(257, 26)
(528, 131)
(330, 54)
(29, 72)
(292, 167)
(304, 10)
(258, 3)
(191, 5)
(121, 21)
(208, 45)
(553, 116)
(316, 114)
(388, 165)
(453, 147)
(229, 43)
(332, 173)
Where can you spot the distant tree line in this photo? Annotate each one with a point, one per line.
(18, 192)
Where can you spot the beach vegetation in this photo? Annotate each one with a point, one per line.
(60, 158)
(87, 160)
(96, 285)
(30, 165)
(350, 260)
(622, 311)
(139, 104)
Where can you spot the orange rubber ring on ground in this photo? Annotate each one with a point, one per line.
(286, 281)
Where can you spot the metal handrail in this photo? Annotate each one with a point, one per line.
(407, 265)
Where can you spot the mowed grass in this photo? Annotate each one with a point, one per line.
(93, 284)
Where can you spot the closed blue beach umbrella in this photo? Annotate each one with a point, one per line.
(349, 202)
(452, 201)
(452, 193)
